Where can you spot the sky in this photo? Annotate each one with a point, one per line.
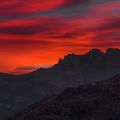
(36, 33)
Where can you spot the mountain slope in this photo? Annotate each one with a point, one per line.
(17, 92)
(81, 69)
(96, 101)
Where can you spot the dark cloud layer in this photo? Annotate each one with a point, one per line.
(69, 3)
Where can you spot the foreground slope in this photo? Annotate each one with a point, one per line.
(96, 101)
(17, 93)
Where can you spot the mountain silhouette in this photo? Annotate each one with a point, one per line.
(81, 69)
(20, 91)
(96, 101)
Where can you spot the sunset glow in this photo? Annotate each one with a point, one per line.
(36, 33)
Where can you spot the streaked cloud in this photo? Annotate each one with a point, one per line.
(39, 32)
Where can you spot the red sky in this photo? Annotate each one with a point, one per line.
(35, 33)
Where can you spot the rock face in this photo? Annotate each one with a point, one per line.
(17, 92)
(95, 101)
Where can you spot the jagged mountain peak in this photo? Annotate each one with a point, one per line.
(95, 55)
(95, 52)
(113, 51)
(92, 52)
(68, 58)
(71, 56)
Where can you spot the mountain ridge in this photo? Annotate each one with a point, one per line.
(90, 53)
(19, 91)
(94, 51)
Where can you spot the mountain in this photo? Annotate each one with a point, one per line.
(94, 101)
(16, 93)
(81, 69)
(20, 91)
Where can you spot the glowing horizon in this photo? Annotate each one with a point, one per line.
(38, 32)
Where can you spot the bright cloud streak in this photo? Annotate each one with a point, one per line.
(53, 30)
